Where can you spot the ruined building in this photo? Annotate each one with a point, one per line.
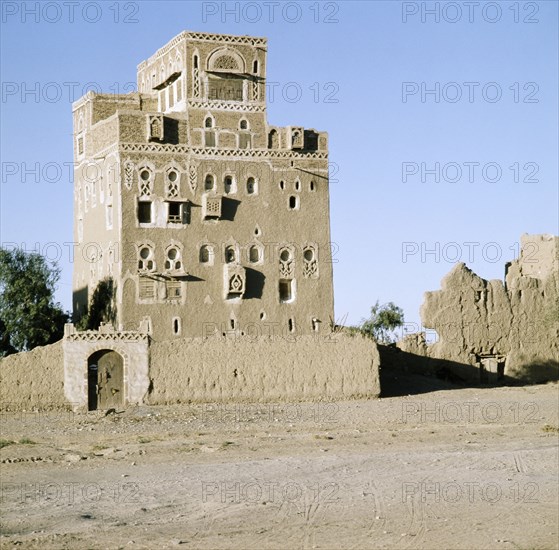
(492, 330)
(206, 218)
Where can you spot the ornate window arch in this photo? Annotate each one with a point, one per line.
(173, 257)
(146, 257)
(146, 177)
(226, 60)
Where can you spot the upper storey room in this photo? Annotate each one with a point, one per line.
(200, 67)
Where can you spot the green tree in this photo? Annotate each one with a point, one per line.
(29, 317)
(382, 322)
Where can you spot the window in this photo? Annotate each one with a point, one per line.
(144, 212)
(273, 140)
(173, 289)
(206, 255)
(209, 123)
(255, 67)
(315, 324)
(210, 138)
(145, 259)
(80, 146)
(146, 288)
(145, 183)
(109, 216)
(293, 202)
(173, 261)
(254, 254)
(243, 125)
(209, 183)
(178, 87)
(297, 185)
(229, 185)
(176, 325)
(291, 325)
(286, 290)
(252, 187)
(172, 184)
(308, 254)
(282, 185)
(195, 61)
(178, 212)
(171, 96)
(227, 89)
(244, 140)
(311, 185)
(230, 255)
(285, 255)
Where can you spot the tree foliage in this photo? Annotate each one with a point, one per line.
(382, 322)
(29, 317)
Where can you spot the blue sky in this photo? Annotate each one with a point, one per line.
(488, 119)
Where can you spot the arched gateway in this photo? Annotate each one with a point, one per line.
(105, 380)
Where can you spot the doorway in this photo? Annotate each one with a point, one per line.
(105, 376)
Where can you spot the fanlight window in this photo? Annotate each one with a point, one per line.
(173, 261)
(145, 259)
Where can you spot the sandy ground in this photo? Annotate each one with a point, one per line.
(449, 468)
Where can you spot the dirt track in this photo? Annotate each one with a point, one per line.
(455, 468)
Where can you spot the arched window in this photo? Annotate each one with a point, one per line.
(252, 187)
(195, 62)
(206, 254)
(230, 255)
(243, 125)
(145, 258)
(209, 123)
(273, 140)
(254, 254)
(209, 183)
(312, 186)
(229, 185)
(172, 184)
(293, 202)
(173, 260)
(297, 185)
(145, 182)
(255, 66)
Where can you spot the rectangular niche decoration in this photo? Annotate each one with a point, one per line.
(234, 280)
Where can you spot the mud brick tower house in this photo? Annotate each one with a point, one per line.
(204, 217)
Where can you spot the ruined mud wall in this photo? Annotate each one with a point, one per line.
(306, 368)
(33, 379)
(518, 321)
